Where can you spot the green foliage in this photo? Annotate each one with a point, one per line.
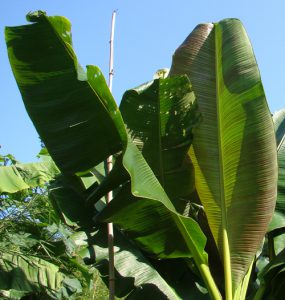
(26, 274)
(17, 177)
(33, 260)
(195, 164)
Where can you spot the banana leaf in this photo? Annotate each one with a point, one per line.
(136, 278)
(18, 177)
(72, 110)
(142, 204)
(26, 274)
(234, 151)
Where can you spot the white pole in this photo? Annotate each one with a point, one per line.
(109, 168)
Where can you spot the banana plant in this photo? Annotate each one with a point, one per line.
(196, 167)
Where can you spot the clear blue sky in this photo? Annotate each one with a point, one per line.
(147, 33)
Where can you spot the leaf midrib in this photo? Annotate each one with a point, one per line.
(224, 221)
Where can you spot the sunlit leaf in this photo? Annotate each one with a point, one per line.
(233, 151)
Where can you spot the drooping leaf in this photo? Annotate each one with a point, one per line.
(146, 206)
(17, 177)
(28, 274)
(74, 113)
(136, 278)
(137, 216)
(233, 151)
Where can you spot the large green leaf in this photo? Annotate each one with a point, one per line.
(234, 152)
(160, 116)
(26, 274)
(17, 177)
(74, 113)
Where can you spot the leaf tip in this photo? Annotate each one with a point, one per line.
(35, 16)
